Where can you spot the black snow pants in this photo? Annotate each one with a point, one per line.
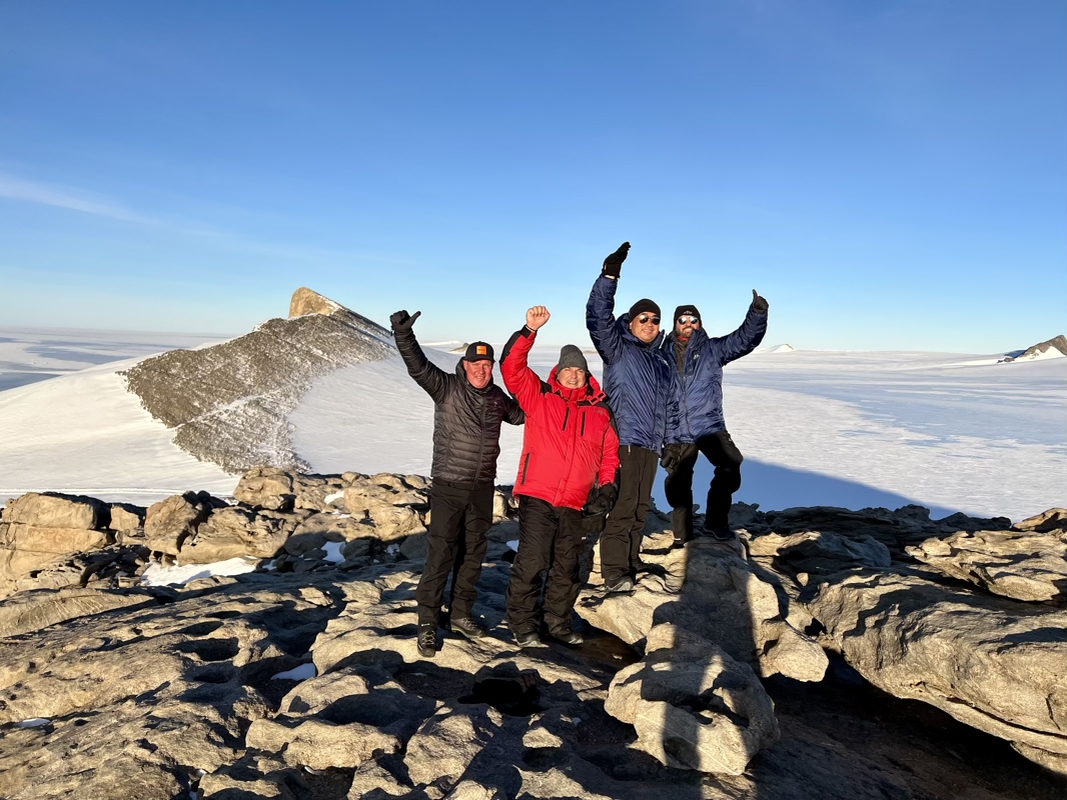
(551, 540)
(459, 518)
(720, 450)
(620, 542)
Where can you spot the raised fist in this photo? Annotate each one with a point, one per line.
(613, 263)
(536, 317)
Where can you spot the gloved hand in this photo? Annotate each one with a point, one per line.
(672, 454)
(613, 263)
(402, 321)
(602, 502)
(759, 304)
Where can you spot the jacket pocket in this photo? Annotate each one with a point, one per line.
(525, 466)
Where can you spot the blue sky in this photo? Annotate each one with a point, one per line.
(890, 175)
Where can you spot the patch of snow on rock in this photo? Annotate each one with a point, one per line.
(301, 673)
(333, 552)
(158, 575)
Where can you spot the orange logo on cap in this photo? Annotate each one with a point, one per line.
(483, 350)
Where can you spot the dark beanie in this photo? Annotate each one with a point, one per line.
(644, 306)
(478, 351)
(571, 356)
(690, 310)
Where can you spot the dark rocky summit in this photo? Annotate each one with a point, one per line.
(228, 402)
(825, 654)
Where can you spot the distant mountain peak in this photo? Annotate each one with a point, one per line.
(1046, 349)
(228, 403)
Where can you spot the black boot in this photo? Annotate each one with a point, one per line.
(682, 524)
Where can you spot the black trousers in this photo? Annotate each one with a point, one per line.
(459, 519)
(551, 540)
(620, 542)
(720, 450)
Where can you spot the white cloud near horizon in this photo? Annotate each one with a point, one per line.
(14, 188)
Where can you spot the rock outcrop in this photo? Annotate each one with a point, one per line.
(302, 679)
(228, 403)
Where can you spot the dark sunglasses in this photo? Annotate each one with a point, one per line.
(686, 319)
(645, 318)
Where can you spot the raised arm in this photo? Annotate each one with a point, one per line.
(520, 380)
(429, 376)
(748, 337)
(600, 310)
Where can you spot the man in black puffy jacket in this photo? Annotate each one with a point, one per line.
(468, 411)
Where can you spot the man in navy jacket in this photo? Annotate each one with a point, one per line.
(695, 421)
(636, 379)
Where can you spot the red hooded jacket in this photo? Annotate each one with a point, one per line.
(569, 444)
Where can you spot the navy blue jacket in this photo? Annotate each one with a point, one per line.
(636, 375)
(694, 408)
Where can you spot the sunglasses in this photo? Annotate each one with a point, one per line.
(644, 319)
(688, 319)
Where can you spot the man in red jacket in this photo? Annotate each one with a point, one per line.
(570, 456)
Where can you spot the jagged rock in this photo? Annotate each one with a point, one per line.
(994, 664)
(908, 525)
(52, 510)
(443, 748)
(266, 487)
(108, 566)
(33, 610)
(229, 403)
(692, 705)
(389, 508)
(819, 553)
(372, 781)
(320, 493)
(52, 541)
(170, 522)
(254, 776)
(234, 531)
(126, 517)
(472, 790)
(711, 590)
(1025, 565)
(1055, 519)
(320, 744)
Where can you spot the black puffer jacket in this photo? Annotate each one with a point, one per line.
(466, 421)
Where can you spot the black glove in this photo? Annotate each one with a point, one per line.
(402, 321)
(672, 454)
(759, 304)
(602, 502)
(613, 263)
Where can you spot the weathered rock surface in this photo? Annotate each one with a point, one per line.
(996, 665)
(51, 510)
(693, 706)
(228, 403)
(1025, 565)
(170, 522)
(158, 693)
(713, 591)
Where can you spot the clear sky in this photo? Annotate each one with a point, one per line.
(890, 175)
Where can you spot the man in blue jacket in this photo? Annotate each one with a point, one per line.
(636, 378)
(695, 421)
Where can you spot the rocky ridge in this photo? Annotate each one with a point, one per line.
(228, 403)
(721, 675)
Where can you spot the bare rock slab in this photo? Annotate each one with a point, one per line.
(1024, 565)
(994, 664)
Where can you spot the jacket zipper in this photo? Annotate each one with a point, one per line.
(582, 431)
(566, 417)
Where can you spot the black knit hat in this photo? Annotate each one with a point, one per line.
(571, 356)
(690, 310)
(644, 306)
(479, 351)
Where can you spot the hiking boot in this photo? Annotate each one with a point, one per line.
(623, 584)
(427, 641)
(468, 627)
(565, 634)
(527, 639)
(720, 534)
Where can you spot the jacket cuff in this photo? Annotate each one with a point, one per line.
(528, 332)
